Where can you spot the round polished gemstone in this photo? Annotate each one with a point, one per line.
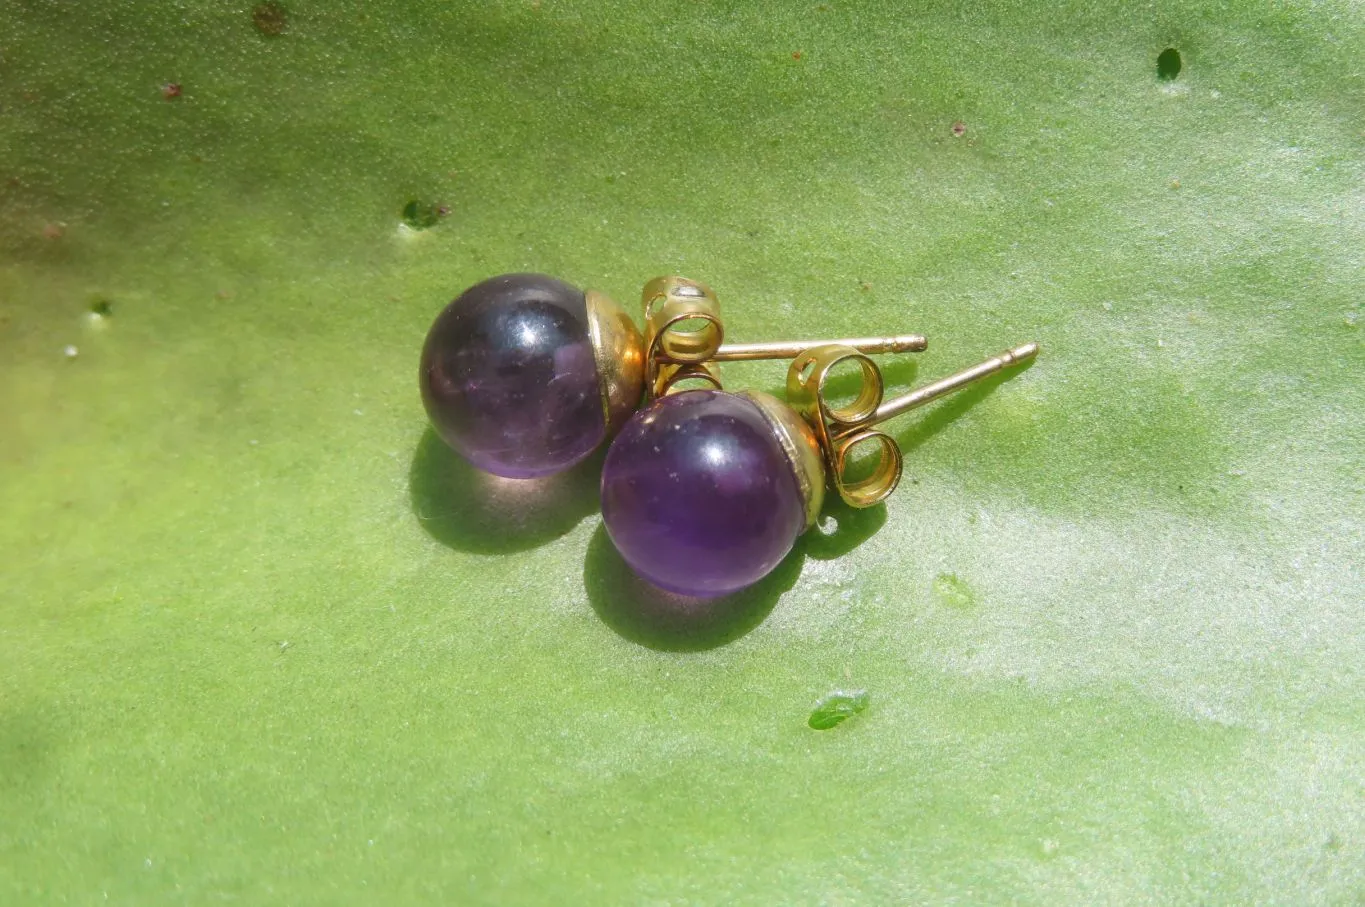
(509, 378)
(699, 496)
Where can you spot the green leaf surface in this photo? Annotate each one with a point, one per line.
(263, 639)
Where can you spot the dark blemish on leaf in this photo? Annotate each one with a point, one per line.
(102, 307)
(422, 215)
(959, 129)
(270, 19)
(1168, 64)
(796, 55)
(171, 90)
(54, 231)
(836, 708)
(865, 287)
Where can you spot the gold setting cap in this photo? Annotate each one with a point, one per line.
(802, 449)
(618, 351)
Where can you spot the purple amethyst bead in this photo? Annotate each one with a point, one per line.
(699, 496)
(509, 378)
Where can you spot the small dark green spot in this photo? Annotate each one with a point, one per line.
(421, 215)
(102, 307)
(1168, 64)
(838, 707)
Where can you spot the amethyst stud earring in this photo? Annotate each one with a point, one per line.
(525, 375)
(704, 492)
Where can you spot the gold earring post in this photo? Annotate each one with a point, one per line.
(685, 339)
(682, 325)
(748, 352)
(955, 382)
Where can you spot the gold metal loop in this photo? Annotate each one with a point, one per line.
(810, 371)
(840, 429)
(682, 320)
(883, 480)
(669, 378)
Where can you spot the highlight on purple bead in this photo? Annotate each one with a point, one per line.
(699, 496)
(509, 378)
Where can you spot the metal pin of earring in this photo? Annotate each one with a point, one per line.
(684, 338)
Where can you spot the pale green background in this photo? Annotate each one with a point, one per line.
(260, 642)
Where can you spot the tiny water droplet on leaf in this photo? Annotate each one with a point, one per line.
(838, 707)
(953, 591)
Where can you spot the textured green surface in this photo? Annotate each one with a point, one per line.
(260, 640)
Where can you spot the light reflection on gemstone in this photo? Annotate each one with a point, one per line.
(714, 454)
